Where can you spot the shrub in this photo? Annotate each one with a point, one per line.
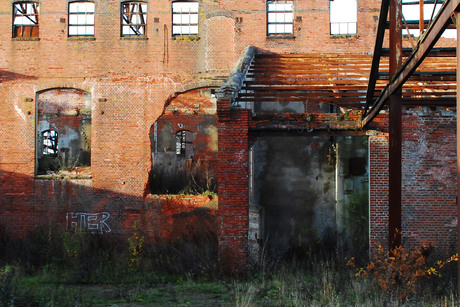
(399, 271)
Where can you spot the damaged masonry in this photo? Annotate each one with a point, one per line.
(297, 144)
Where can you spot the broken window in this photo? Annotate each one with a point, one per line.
(344, 17)
(81, 18)
(184, 143)
(133, 19)
(63, 143)
(50, 142)
(25, 19)
(280, 17)
(185, 17)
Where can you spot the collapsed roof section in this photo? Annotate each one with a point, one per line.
(295, 83)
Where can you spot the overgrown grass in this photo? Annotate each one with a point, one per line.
(52, 268)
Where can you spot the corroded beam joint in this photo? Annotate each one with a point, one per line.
(235, 80)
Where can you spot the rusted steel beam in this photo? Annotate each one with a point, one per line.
(421, 19)
(426, 2)
(414, 24)
(426, 76)
(308, 56)
(434, 52)
(429, 38)
(457, 22)
(303, 94)
(377, 53)
(395, 129)
(430, 102)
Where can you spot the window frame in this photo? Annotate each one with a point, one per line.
(142, 15)
(188, 24)
(34, 24)
(53, 137)
(340, 23)
(284, 23)
(184, 143)
(78, 24)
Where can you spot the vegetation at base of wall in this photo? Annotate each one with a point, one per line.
(355, 228)
(57, 268)
(401, 272)
(193, 178)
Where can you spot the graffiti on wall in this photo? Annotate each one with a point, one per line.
(93, 222)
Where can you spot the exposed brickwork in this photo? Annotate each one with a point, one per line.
(429, 212)
(233, 220)
(131, 80)
(45, 203)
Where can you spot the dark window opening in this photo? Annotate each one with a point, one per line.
(63, 143)
(133, 19)
(184, 144)
(25, 19)
(357, 166)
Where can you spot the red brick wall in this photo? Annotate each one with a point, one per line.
(233, 220)
(27, 204)
(429, 190)
(130, 81)
(429, 212)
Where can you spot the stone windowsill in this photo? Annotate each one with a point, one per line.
(26, 38)
(280, 36)
(64, 175)
(81, 38)
(190, 38)
(134, 37)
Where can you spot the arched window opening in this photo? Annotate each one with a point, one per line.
(63, 143)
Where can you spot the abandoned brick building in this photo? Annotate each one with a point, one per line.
(110, 107)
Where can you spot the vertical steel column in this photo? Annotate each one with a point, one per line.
(395, 127)
(422, 20)
(457, 23)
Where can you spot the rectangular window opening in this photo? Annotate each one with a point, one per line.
(344, 17)
(185, 18)
(25, 19)
(280, 17)
(134, 18)
(81, 18)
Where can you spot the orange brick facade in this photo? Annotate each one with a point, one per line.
(131, 81)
